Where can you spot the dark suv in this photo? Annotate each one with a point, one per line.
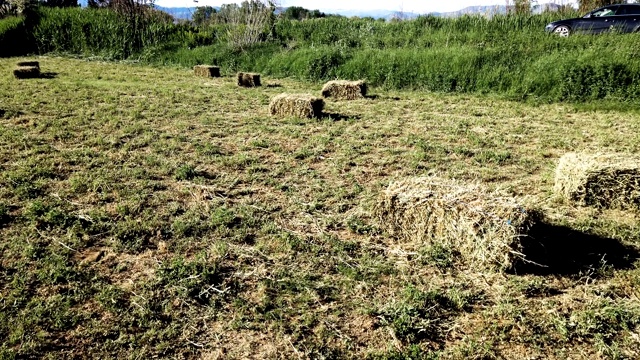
(623, 18)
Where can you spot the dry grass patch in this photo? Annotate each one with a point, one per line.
(206, 71)
(300, 105)
(485, 228)
(26, 72)
(344, 89)
(601, 180)
(248, 79)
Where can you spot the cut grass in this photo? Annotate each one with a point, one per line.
(180, 220)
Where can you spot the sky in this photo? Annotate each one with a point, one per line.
(418, 6)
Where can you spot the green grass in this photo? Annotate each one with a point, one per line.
(147, 212)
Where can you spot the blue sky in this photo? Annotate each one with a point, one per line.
(421, 6)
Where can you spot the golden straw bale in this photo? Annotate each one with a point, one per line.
(484, 228)
(343, 89)
(26, 72)
(248, 79)
(300, 105)
(206, 71)
(29, 63)
(600, 180)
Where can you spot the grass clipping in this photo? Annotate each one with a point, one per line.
(26, 72)
(206, 71)
(343, 89)
(484, 229)
(601, 180)
(248, 79)
(300, 105)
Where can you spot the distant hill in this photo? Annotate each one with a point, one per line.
(185, 13)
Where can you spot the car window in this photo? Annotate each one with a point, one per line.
(608, 11)
(628, 10)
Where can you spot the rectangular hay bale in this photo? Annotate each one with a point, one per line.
(484, 229)
(26, 72)
(344, 89)
(248, 79)
(300, 105)
(206, 71)
(601, 180)
(29, 63)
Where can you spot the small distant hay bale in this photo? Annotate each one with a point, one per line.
(601, 180)
(248, 79)
(485, 229)
(206, 71)
(26, 72)
(343, 89)
(29, 63)
(300, 105)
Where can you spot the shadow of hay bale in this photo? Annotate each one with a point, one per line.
(339, 117)
(559, 250)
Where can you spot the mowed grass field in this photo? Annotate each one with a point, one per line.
(147, 213)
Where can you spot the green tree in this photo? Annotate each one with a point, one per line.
(204, 15)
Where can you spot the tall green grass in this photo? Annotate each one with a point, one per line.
(14, 37)
(98, 32)
(509, 55)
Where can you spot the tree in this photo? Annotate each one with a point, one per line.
(204, 15)
(249, 23)
(522, 6)
(300, 13)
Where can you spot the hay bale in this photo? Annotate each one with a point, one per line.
(26, 72)
(29, 63)
(206, 71)
(601, 180)
(484, 228)
(300, 105)
(343, 89)
(248, 79)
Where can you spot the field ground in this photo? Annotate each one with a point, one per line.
(148, 213)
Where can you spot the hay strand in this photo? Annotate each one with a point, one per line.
(485, 228)
(206, 71)
(343, 89)
(248, 79)
(26, 72)
(601, 180)
(299, 105)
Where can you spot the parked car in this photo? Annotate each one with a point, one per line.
(623, 18)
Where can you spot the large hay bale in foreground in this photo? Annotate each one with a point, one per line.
(300, 105)
(601, 180)
(206, 71)
(248, 79)
(26, 72)
(343, 89)
(29, 63)
(484, 228)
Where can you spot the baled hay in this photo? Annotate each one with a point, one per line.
(248, 79)
(343, 89)
(601, 180)
(29, 63)
(26, 72)
(206, 71)
(484, 228)
(300, 105)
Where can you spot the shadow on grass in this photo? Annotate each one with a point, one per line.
(559, 250)
(274, 86)
(48, 75)
(338, 117)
